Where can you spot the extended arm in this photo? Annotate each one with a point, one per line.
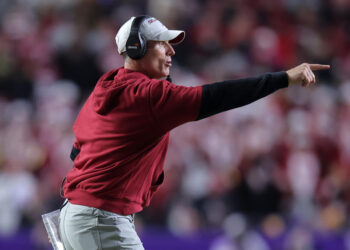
(226, 95)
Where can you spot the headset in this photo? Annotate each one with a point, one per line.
(136, 45)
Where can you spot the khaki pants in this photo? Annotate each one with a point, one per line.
(88, 228)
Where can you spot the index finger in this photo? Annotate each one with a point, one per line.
(319, 66)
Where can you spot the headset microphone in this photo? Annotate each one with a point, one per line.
(168, 78)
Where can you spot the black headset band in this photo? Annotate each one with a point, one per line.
(136, 24)
(136, 45)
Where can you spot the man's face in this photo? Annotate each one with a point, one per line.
(157, 61)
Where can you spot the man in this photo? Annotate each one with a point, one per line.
(122, 133)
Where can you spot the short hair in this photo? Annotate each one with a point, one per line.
(125, 55)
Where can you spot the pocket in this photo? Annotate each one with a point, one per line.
(107, 220)
(159, 181)
(117, 230)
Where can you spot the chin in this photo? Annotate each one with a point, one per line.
(166, 73)
(160, 74)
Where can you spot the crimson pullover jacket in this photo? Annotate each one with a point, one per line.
(122, 133)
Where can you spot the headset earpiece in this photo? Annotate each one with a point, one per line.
(136, 45)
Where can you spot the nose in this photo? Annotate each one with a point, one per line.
(170, 50)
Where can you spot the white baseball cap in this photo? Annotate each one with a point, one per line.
(152, 29)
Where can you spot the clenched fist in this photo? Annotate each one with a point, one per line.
(304, 73)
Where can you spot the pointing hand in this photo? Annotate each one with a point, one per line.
(304, 73)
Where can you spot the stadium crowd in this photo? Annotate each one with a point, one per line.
(271, 175)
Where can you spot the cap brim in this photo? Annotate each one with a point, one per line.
(173, 36)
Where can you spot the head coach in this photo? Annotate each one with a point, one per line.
(122, 133)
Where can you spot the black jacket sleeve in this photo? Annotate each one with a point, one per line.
(226, 95)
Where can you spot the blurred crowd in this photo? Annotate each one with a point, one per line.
(270, 175)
